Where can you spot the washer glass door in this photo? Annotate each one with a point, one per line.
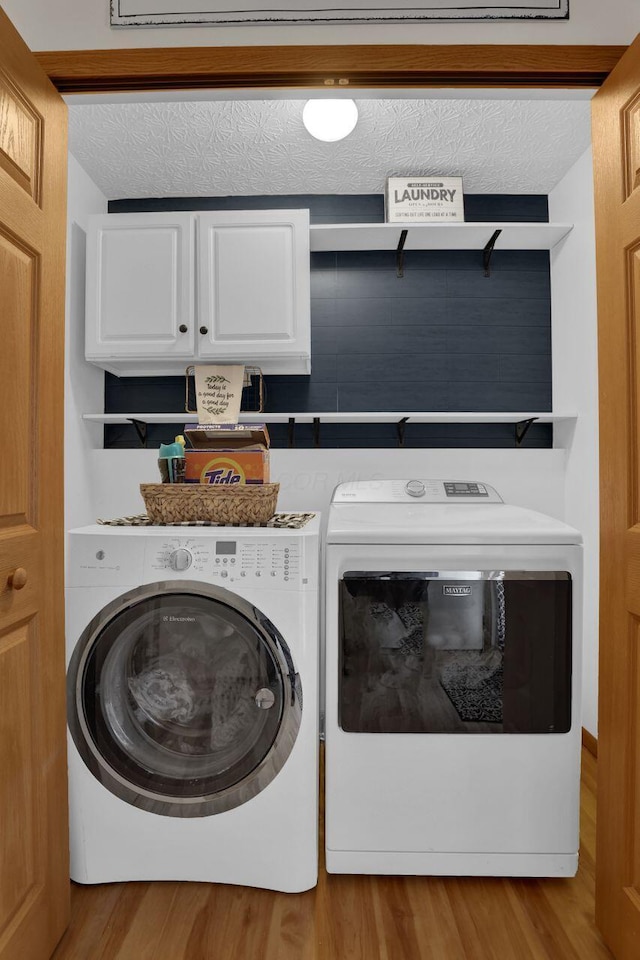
(183, 699)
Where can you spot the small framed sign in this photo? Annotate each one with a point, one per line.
(181, 13)
(424, 200)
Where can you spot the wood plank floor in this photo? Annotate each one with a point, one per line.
(347, 918)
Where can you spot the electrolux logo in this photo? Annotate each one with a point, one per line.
(170, 619)
(450, 591)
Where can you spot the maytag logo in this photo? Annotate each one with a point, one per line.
(170, 619)
(457, 591)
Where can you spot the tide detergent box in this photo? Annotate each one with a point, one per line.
(227, 453)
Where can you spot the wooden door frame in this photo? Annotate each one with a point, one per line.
(364, 66)
(375, 66)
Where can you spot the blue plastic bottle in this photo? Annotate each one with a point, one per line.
(171, 461)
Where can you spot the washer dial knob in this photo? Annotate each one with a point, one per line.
(415, 488)
(180, 559)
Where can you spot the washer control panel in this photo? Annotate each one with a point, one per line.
(226, 560)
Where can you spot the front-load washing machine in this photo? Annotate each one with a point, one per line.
(453, 625)
(192, 704)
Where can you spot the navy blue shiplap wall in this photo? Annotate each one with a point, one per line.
(442, 338)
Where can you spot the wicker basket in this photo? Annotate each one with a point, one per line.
(188, 502)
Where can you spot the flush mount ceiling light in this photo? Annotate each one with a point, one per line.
(330, 120)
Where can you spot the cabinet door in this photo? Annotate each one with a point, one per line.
(140, 286)
(253, 285)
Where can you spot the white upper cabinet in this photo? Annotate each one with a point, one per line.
(253, 285)
(252, 304)
(140, 287)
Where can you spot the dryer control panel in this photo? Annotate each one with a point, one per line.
(225, 560)
(416, 490)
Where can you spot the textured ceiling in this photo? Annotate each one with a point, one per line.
(256, 147)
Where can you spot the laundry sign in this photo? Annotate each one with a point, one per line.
(424, 199)
(182, 13)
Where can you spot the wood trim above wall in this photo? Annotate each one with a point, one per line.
(589, 742)
(373, 65)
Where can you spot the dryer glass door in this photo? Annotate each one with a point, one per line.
(483, 651)
(183, 699)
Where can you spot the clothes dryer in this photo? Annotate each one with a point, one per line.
(453, 635)
(192, 704)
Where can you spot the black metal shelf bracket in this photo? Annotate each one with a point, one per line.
(522, 428)
(292, 432)
(400, 253)
(400, 428)
(316, 431)
(141, 429)
(488, 250)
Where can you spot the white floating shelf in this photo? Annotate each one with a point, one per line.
(306, 417)
(437, 236)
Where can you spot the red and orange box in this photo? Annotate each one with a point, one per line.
(227, 453)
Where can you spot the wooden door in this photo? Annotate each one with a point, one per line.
(616, 142)
(34, 886)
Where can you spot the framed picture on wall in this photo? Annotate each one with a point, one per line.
(153, 13)
(424, 199)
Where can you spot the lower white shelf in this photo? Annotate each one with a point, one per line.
(307, 417)
(521, 420)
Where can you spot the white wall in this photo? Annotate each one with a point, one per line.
(84, 383)
(84, 24)
(575, 389)
(529, 478)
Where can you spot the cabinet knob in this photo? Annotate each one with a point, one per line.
(204, 330)
(18, 579)
(183, 328)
